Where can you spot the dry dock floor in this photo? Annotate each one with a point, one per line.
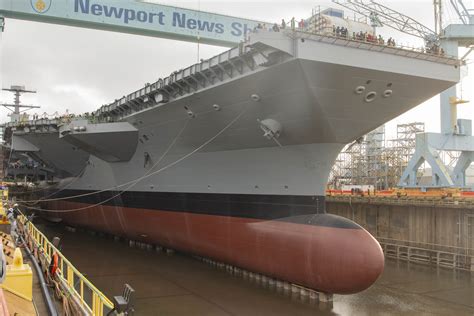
(181, 285)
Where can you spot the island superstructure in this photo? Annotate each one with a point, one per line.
(229, 158)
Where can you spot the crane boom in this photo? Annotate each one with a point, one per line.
(390, 17)
(134, 17)
(461, 10)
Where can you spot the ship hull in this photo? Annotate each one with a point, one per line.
(319, 251)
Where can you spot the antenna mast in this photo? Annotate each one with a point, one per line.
(17, 105)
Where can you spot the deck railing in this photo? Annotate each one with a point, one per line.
(90, 299)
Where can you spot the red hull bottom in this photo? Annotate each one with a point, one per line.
(327, 259)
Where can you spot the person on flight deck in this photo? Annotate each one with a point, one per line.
(301, 24)
(16, 210)
(10, 212)
(283, 23)
(12, 220)
(381, 41)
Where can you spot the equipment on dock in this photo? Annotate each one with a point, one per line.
(124, 304)
(79, 295)
(19, 277)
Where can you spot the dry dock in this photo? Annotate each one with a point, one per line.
(181, 285)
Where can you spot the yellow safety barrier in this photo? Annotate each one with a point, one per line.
(90, 298)
(19, 279)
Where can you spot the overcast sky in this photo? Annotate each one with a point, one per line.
(81, 69)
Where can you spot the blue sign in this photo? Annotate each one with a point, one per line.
(136, 17)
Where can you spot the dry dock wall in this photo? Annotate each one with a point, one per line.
(439, 232)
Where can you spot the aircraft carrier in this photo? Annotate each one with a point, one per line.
(229, 158)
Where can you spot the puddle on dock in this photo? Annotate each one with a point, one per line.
(181, 285)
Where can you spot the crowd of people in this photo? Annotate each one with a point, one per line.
(339, 31)
(302, 24)
(362, 36)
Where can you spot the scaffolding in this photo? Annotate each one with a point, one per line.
(375, 162)
(401, 149)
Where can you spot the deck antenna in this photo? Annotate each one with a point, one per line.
(16, 107)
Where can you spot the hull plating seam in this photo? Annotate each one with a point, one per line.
(295, 209)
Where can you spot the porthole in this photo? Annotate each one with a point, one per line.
(255, 97)
(370, 96)
(359, 90)
(387, 93)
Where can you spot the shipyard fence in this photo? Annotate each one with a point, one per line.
(441, 255)
(89, 299)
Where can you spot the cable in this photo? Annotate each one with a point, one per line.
(96, 192)
(32, 202)
(156, 164)
(81, 173)
(153, 173)
(47, 296)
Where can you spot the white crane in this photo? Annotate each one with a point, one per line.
(391, 18)
(456, 134)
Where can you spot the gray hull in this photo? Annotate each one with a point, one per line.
(322, 96)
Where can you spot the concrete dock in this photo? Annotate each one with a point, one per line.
(178, 284)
